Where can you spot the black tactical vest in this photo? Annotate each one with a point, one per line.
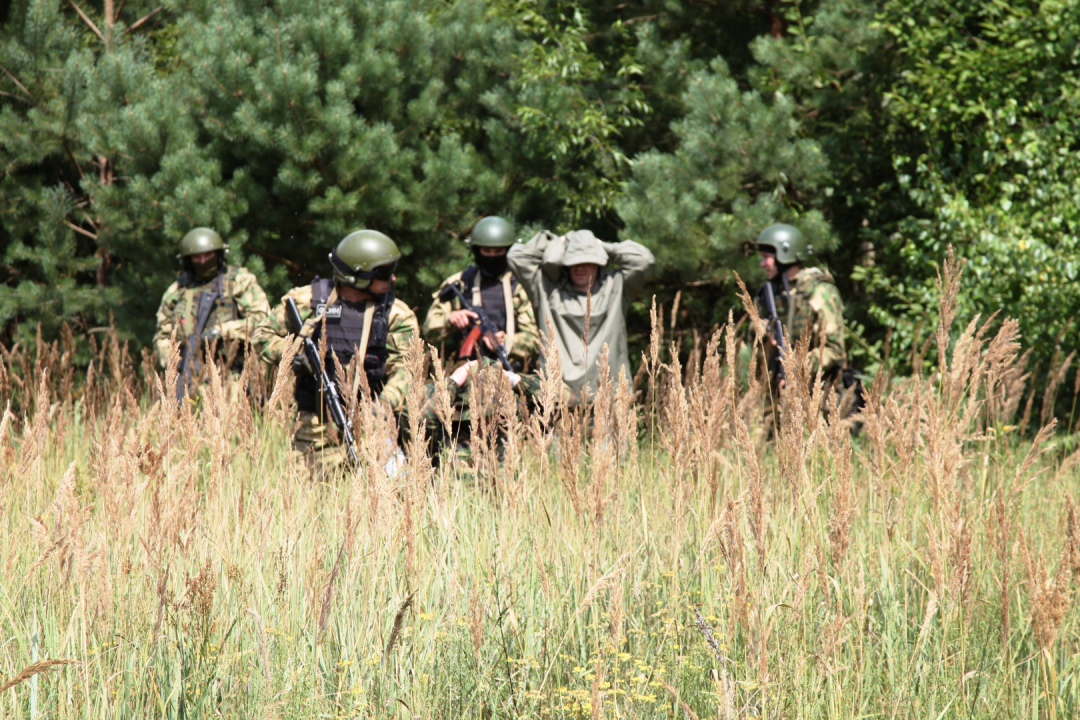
(492, 300)
(344, 330)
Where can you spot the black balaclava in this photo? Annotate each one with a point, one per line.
(208, 270)
(492, 267)
(378, 298)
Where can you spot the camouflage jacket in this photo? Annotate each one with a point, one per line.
(240, 308)
(814, 307)
(522, 337)
(271, 338)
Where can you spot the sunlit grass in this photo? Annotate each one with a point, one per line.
(191, 568)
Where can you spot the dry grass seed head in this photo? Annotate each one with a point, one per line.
(441, 402)
(843, 500)
(1056, 379)
(1050, 595)
(757, 509)
(476, 618)
(34, 669)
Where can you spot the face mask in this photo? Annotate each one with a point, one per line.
(206, 270)
(379, 298)
(490, 266)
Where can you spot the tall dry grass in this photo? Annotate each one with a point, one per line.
(642, 556)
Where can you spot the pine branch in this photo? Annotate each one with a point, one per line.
(138, 23)
(78, 229)
(16, 97)
(87, 20)
(19, 85)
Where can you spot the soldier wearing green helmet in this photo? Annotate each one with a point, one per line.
(487, 283)
(807, 303)
(230, 299)
(357, 316)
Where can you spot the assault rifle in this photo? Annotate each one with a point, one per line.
(778, 329)
(328, 389)
(188, 366)
(482, 327)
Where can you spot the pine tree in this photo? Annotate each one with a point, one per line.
(93, 136)
(739, 166)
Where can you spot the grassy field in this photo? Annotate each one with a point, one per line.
(652, 560)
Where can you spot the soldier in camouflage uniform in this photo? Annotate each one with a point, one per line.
(808, 304)
(358, 314)
(233, 301)
(489, 284)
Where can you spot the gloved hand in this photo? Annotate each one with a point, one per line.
(301, 366)
(211, 334)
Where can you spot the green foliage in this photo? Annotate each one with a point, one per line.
(566, 113)
(48, 287)
(888, 130)
(991, 89)
(739, 167)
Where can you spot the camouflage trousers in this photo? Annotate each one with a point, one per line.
(317, 448)
(453, 440)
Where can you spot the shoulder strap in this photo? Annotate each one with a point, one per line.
(469, 285)
(468, 275)
(511, 314)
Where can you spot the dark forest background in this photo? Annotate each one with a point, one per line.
(887, 130)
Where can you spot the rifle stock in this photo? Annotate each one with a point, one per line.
(481, 326)
(328, 389)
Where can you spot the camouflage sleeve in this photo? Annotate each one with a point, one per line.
(251, 305)
(270, 337)
(828, 321)
(526, 333)
(166, 321)
(403, 327)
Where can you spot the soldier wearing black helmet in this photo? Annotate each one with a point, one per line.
(232, 304)
(357, 314)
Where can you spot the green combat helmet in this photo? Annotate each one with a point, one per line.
(201, 240)
(363, 256)
(492, 232)
(787, 241)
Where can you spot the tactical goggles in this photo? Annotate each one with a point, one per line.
(352, 275)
